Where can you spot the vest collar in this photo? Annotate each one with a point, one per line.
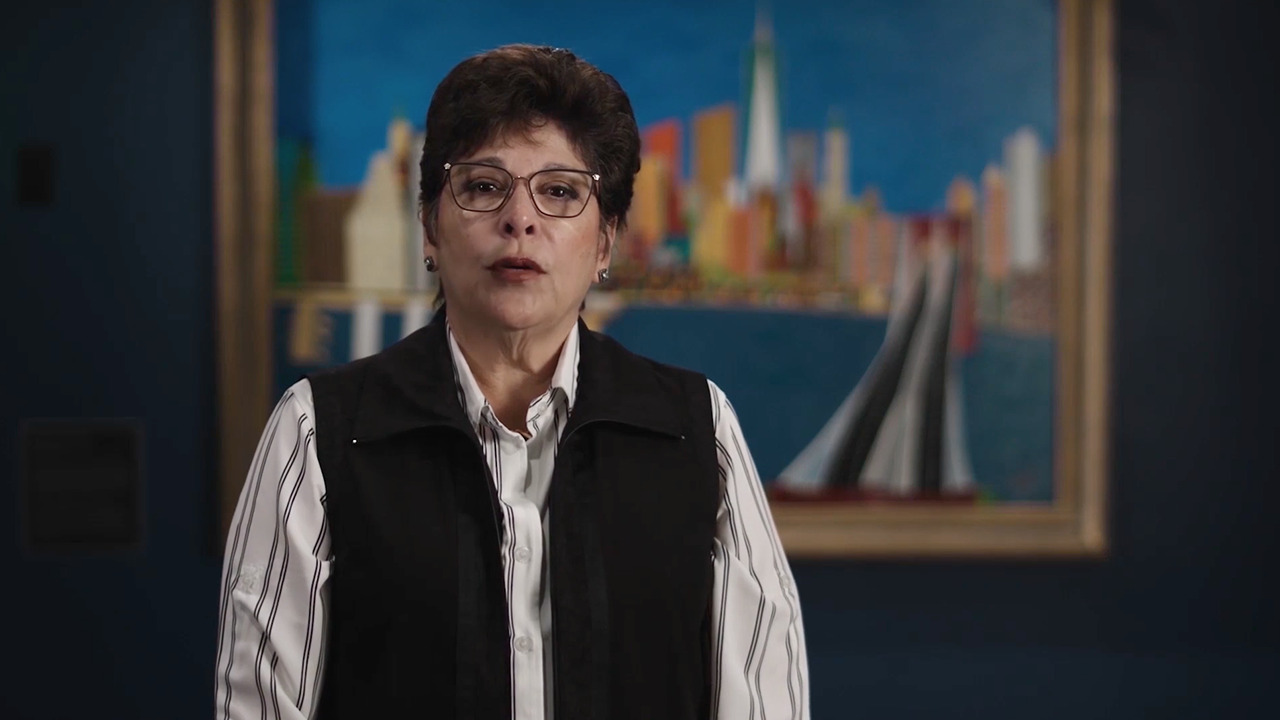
(410, 386)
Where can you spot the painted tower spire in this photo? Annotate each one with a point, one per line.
(764, 127)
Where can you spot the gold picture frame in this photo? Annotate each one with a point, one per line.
(1073, 525)
(244, 199)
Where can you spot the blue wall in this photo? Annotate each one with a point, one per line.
(107, 313)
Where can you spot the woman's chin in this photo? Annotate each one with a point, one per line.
(517, 316)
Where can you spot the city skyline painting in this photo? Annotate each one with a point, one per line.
(848, 215)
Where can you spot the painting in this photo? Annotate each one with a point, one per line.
(882, 228)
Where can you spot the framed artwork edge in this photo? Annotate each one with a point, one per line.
(244, 198)
(1074, 525)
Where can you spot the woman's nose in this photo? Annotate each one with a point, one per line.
(520, 215)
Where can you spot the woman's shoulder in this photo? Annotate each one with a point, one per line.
(297, 399)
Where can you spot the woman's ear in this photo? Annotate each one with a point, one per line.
(608, 235)
(429, 236)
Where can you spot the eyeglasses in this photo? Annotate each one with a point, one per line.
(485, 188)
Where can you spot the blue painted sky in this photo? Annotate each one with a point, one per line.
(927, 89)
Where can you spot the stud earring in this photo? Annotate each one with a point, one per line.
(603, 274)
(430, 262)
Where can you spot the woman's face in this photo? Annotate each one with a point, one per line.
(517, 268)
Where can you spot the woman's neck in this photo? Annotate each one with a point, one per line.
(511, 368)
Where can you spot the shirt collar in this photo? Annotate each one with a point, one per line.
(564, 379)
(414, 385)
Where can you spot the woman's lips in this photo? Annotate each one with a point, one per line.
(516, 269)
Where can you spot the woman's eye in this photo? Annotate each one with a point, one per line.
(561, 192)
(482, 186)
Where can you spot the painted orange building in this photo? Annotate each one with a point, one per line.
(995, 225)
(663, 139)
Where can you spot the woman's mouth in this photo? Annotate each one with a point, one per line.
(516, 269)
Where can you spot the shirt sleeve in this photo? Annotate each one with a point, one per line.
(271, 622)
(758, 651)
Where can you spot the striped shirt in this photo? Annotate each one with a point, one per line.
(271, 642)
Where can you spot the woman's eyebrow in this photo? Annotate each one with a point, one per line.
(497, 161)
(560, 166)
(488, 160)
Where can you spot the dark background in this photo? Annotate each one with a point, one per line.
(107, 312)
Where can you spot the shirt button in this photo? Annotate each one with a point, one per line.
(523, 554)
(524, 644)
(786, 581)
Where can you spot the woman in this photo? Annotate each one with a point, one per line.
(506, 515)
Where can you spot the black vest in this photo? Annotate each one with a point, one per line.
(417, 604)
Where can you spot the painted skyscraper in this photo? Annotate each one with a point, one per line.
(714, 152)
(800, 207)
(714, 165)
(835, 167)
(764, 127)
(995, 228)
(1023, 164)
(375, 231)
